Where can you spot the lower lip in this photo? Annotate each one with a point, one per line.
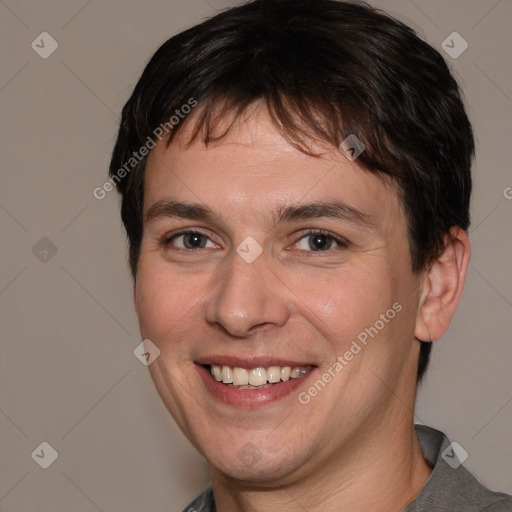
(250, 398)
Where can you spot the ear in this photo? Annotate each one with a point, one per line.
(442, 286)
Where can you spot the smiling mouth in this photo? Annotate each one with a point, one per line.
(255, 378)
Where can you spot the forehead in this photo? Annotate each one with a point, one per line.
(254, 166)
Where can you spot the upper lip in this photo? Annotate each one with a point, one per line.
(250, 362)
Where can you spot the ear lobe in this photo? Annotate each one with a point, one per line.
(443, 285)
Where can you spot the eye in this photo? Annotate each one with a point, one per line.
(189, 240)
(319, 241)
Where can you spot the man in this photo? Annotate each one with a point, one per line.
(295, 181)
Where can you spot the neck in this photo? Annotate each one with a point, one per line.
(385, 473)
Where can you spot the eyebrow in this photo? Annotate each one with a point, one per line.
(322, 209)
(318, 209)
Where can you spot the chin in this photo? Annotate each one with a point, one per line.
(254, 466)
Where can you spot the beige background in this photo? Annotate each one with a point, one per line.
(68, 373)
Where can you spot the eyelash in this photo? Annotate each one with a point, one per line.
(342, 243)
(167, 239)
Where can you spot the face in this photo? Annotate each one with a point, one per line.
(258, 261)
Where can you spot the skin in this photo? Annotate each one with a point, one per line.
(353, 446)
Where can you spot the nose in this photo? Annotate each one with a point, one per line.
(249, 297)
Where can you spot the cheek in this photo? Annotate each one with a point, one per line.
(163, 300)
(342, 303)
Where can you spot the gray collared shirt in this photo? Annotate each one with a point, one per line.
(450, 488)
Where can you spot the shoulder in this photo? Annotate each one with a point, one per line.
(504, 504)
(451, 487)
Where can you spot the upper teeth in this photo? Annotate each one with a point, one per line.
(256, 376)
